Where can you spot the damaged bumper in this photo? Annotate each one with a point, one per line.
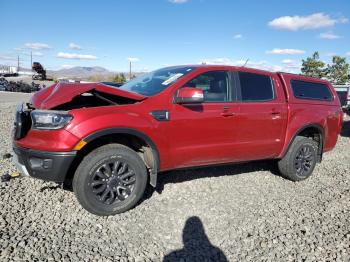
(49, 166)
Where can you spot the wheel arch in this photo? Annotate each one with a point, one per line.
(121, 135)
(307, 131)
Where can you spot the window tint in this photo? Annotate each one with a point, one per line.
(255, 87)
(309, 90)
(214, 85)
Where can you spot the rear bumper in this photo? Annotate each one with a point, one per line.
(49, 166)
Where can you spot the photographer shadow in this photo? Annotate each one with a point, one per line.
(197, 246)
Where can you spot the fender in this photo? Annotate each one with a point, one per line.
(320, 148)
(144, 137)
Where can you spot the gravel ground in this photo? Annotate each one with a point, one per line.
(238, 212)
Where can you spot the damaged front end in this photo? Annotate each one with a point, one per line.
(46, 165)
(68, 96)
(44, 140)
(94, 98)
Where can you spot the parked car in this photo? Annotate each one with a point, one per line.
(344, 96)
(112, 142)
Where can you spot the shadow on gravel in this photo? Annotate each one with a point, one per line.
(345, 131)
(197, 246)
(189, 174)
(45, 188)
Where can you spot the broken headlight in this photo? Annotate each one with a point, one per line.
(42, 119)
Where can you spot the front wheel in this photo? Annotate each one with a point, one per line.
(110, 180)
(300, 160)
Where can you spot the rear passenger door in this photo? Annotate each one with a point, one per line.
(262, 117)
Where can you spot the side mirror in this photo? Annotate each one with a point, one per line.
(189, 95)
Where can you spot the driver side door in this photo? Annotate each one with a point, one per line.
(201, 133)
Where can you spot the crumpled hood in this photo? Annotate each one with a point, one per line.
(62, 93)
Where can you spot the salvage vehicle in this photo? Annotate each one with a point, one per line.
(114, 141)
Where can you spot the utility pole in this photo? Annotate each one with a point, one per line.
(130, 71)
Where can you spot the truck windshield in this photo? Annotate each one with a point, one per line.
(154, 82)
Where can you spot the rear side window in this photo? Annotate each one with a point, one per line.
(310, 90)
(255, 87)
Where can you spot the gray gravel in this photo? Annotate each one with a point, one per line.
(239, 212)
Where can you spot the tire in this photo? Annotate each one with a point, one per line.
(300, 159)
(110, 180)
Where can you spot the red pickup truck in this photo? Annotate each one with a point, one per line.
(112, 141)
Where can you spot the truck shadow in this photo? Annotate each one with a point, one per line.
(183, 175)
(345, 131)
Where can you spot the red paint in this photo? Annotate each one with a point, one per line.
(197, 134)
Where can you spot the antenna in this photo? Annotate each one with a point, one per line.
(246, 62)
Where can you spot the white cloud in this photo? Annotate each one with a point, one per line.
(264, 65)
(76, 56)
(331, 54)
(74, 46)
(329, 36)
(37, 54)
(348, 53)
(287, 51)
(343, 20)
(66, 66)
(238, 36)
(178, 1)
(133, 59)
(314, 21)
(291, 65)
(288, 65)
(8, 58)
(217, 61)
(37, 46)
(288, 61)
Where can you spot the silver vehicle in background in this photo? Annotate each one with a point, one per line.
(343, 92)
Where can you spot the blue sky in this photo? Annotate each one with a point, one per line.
(272, 34)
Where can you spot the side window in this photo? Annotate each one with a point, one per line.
(215, 85)
(309, 90)
(255, 87)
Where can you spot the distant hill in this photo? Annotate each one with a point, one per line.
(94, 73)
(81, 72)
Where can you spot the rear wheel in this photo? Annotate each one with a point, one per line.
(300, 160)
(110, 180)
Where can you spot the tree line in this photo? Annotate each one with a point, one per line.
(337, 72)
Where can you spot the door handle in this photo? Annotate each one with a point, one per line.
(275, 112)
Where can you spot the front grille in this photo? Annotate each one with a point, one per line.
(23, 122)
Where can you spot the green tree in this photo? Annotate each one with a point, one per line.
(338, 72)
(313, 66)
(119, 78)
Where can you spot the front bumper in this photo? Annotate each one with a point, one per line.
(49, 166)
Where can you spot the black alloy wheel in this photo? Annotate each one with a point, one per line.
(304, 160)
(113, 181)
(110, 180)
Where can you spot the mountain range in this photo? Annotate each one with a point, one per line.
(81, 72)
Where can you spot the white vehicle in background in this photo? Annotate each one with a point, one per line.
(343, 92)
(8, 70)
